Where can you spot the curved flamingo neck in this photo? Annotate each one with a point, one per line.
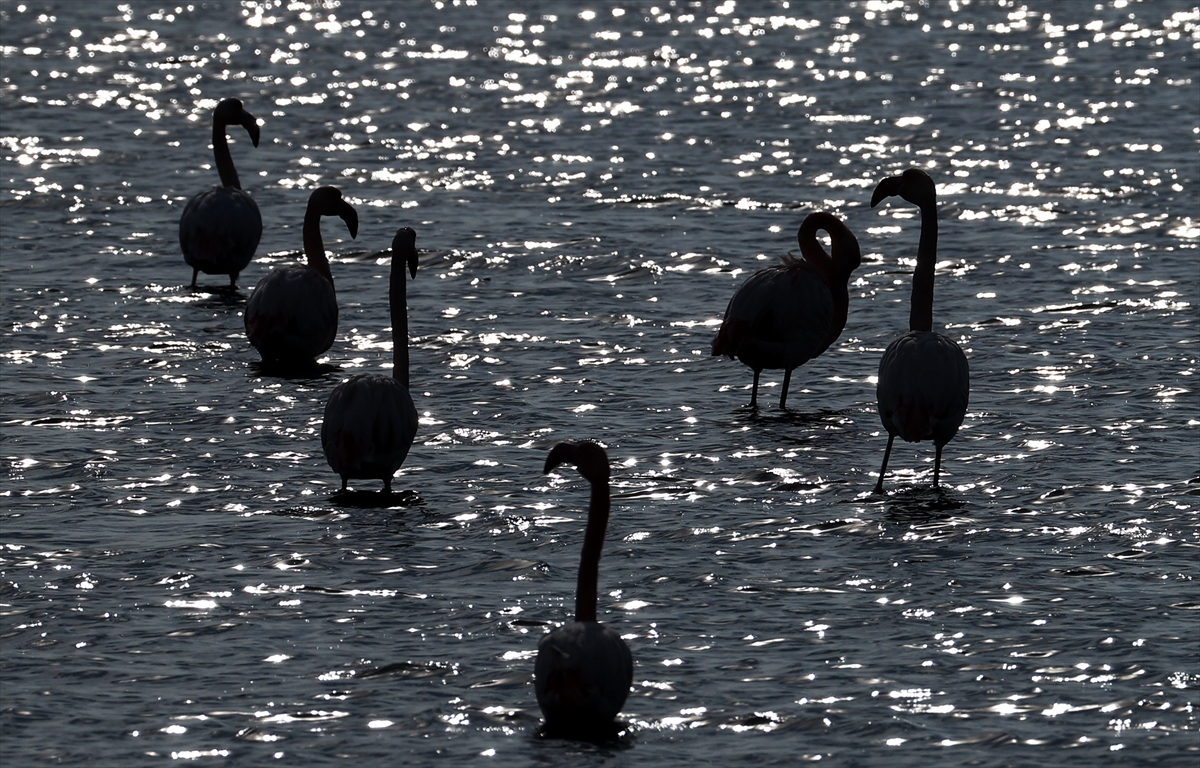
(593, 541)
(225, 169)
(836, 269)
(398, 305)
(314, 246)
(811, 250)
(920, 316)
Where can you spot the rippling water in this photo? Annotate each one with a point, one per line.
(589, 187)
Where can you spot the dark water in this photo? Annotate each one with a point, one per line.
(179, 584)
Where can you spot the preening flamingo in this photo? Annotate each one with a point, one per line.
(924, 380)
(292, 315)
(370, 420)
(584, 669)
(785, 315)
(220, 227)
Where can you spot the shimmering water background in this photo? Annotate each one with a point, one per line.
(589, 183)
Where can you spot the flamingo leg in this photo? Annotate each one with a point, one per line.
(886, 454)
(195, 272)
(787, 379)
(754, 391)
(937, 465)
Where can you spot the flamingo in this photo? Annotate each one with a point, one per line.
(924, 379)
(584, 669)
(221, 227)
(785, 315)
(291, 317)
(370, 419)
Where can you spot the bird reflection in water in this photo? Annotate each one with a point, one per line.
(922, 504)
(351, 499)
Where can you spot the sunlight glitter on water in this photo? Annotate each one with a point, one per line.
(679, 147)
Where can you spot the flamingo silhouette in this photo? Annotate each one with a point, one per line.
(924, 380)
(292, 315)
(785, 315)
(220, 227)
(584, 669)
(370, 420)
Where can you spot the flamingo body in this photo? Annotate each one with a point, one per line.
(292, 315)
(220, 227)
(582, 675)
(764, 332)
(584, 670)
(219, 232)
(914, 405)
(370, 420)
(924, 380)
(785, 315)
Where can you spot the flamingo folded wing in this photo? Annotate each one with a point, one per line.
(779, 319)
(924, 387)
(583, 673)
(219, 230)
(292, 314)
(369, 426)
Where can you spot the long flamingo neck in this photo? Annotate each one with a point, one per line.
(398, 304)
(225, 169)
(314, 246)
(589, 563)
(920, 316)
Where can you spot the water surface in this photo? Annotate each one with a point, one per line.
(589, 184)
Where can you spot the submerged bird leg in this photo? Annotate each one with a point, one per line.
(787, 379)
(754, 391)
(937, 465)
(387, 485)
(195, 272)
(233, 280)
(886, 453)
(344, 484)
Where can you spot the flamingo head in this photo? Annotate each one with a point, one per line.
(846, 255)
(231, 112)
(404, 245)
(914, 185)
(588, 457)
(327, 201)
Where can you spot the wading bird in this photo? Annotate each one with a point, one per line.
(924, 380)
(370, 420)
(292, 315)
(785, 315)
(220, 227)
(584, 669)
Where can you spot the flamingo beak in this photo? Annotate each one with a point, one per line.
(347, 214)
(251, 125)
(562, 453)
(886, 188)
